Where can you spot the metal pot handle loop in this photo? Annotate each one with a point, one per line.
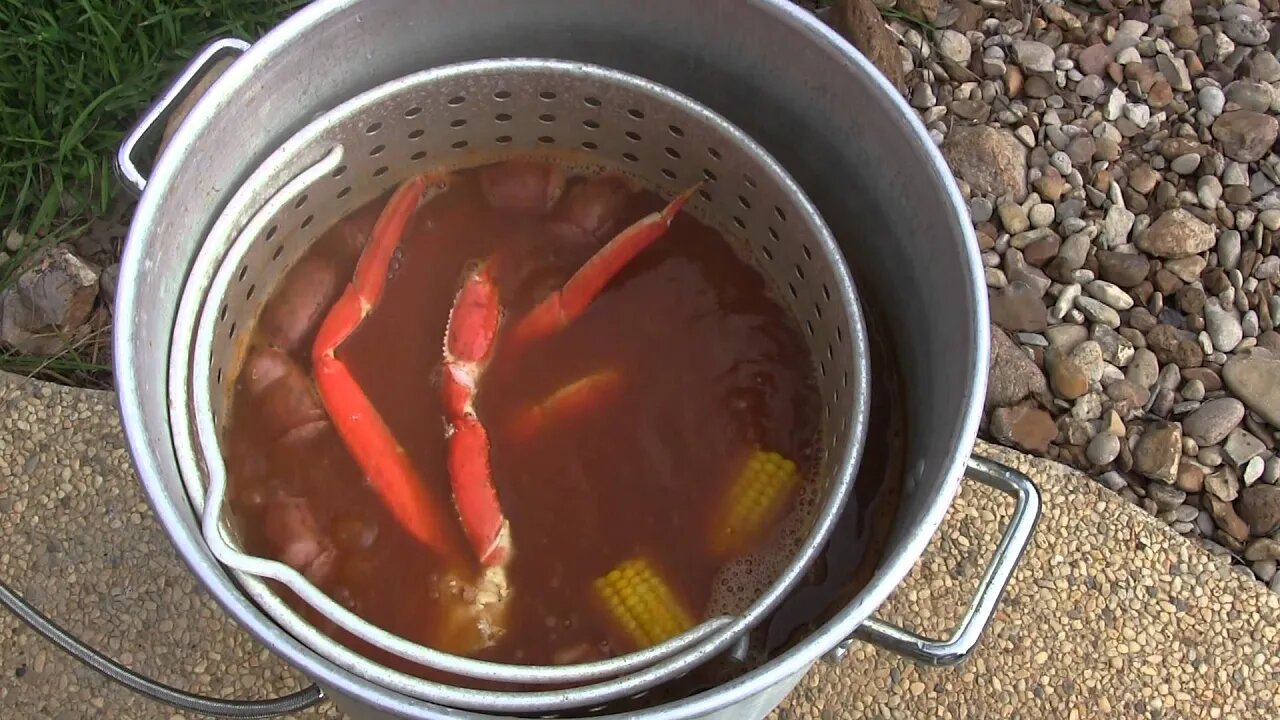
(1016, 538)
(150, 130)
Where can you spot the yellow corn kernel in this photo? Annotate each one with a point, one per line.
(755, 500)
(642, 604)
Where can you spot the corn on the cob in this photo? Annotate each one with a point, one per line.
(642, 603)
(755, 500)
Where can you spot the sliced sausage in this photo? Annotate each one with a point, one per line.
(522, 185)
(296, 539)
(291, 409)
(293, 314)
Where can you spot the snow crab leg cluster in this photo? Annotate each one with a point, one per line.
(478, 326)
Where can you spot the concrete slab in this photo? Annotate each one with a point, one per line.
(1110, 615)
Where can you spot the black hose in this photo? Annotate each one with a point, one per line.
(214, 707)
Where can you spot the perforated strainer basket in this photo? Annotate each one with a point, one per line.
(466, 115)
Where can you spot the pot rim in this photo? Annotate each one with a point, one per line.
(182, 527)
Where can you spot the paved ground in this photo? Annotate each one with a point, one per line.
(1111, 615)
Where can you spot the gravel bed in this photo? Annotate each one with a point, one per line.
(1120, 169)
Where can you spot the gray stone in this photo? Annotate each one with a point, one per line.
(1018, 307)
(1175, 71)
(1255, 379)
(1222, 325)
(1098, 312)
(1264, 66)
(1143, 370)
(1271, 470)
(1260, 507)
(1246, 31)
(48, 302)
(1166, 497)
(1123, 269)
(1268, 269)
(1138, 113)
(1223, 484)
(1235, 174)
(954, 46)
(922, 96)
(1087, 407)
(1242, 446)
(1212, 100)
(980, 209)
(1109, 294)
(1176, 233)
(1209, 191)
(1245, 135)
(1229, 249)
(1064, 338)
(1033, 56)
(1185, 164)
(992, 161)
(1012, 376)
(1041, 215)
(1090, 87)
(1250, 95)
(1116, 348)
(1088, 357)
(1158, 452)
(1252, 470)
(1214, 420)
(1103, 448)
(1263, 549)
(1116, 227)
(1113, 481)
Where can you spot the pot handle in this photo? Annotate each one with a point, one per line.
(149, 132)
(1016, 538)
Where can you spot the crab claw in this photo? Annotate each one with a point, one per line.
(473, 492)
(469, 338)
(357, 421)
(564, 306)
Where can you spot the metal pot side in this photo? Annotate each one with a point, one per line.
(809, 98)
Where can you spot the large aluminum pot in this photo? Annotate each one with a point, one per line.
(770, 68)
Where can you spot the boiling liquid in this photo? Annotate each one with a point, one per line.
(712, 367)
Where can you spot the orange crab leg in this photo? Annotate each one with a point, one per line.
(357, 422)
(565, 305)
(469, 338)
(577, 397)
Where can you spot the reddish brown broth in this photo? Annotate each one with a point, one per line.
(712, 366)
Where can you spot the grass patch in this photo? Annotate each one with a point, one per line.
(923, 25)
(83, 365)
(75, 74)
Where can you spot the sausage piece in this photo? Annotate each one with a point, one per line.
(291, 408)
(522, 186)
(595, 206)
(293, 315)
(295, 538)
